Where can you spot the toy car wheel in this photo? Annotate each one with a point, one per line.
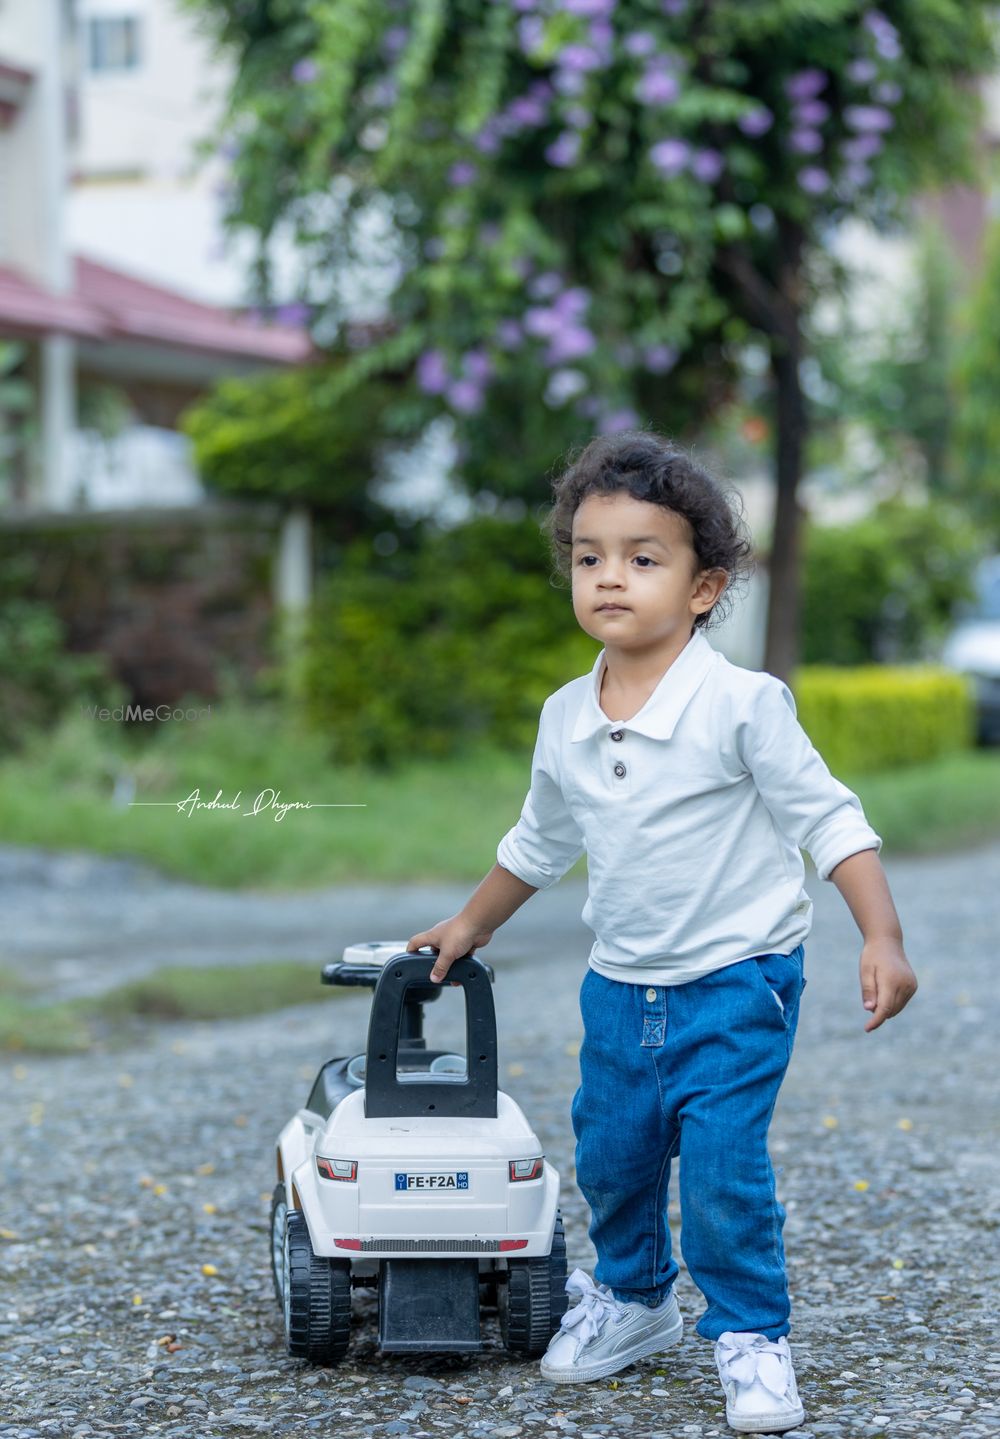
(279, 1208)
(317, 1297)
(533, 1300)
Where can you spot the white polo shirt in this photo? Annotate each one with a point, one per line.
(691, 813)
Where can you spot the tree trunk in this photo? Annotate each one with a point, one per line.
(782, 648)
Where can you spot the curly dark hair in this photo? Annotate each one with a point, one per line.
(649, 467)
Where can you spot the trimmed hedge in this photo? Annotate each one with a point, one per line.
(879, 717)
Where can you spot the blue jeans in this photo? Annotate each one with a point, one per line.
(692, 1069)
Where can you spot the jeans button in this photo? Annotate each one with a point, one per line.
(651, 995)
(620, 770)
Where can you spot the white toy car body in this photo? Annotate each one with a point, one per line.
(404, 1172)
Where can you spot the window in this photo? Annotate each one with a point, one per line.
(112, 43)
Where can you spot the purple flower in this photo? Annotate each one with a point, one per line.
(509, 335)
(639, 43)
(530, 33)
(657, 87)
(545, 284)
(579, 58)
(487, 142)
(477, 366)
(598, 8)
(814, 180)
(564, 150)
(707, 166)
(805, 84)
(569, 82)
(618, 420)
(674, 7)
(563, 385)
(489, 233)
(525, 4)
(463, 172)
(572, 342)
(659, 359)
(811, 112)
(293, 314)
(888, 93)
(862, 148)
(861, 72)
(527, 111)
(541, 90)
(465, 396)
(542, 322)
(602, 38)
(885, 34)
(670, 156)
(867, 117)
(806, 142)
(756, 121)
(394, 40)
(573, 303)
(858, 176)
(432, 372)
(304, 71)
(578, 116)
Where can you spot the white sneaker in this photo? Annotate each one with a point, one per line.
(759, 1383)
(602, 1334)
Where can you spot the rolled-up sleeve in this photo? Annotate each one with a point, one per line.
(546, 841)
(813, 808)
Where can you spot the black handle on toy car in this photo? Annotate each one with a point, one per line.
(443, 1096)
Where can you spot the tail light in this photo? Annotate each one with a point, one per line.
(337, 1168)
(526, 1168)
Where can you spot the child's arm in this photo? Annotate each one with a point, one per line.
(492, 904)
(534, 854)
(887, 981)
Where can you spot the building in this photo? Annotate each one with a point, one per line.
(107, 348)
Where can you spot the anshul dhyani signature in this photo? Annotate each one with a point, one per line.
(268, 801)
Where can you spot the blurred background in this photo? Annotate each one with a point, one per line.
(303, 305)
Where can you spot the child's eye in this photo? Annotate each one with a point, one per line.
(584, 558)
(645, 560)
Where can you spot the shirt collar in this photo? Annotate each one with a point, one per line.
(659, 715)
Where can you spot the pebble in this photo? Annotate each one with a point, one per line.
(83, 1359)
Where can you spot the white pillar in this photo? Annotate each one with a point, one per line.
(293, 576)
(57, 422)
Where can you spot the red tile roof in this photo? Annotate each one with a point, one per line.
(108, 304)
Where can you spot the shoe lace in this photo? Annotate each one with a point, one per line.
(746, 1357)
(596, 1303)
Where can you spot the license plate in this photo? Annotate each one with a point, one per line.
(425, 1182)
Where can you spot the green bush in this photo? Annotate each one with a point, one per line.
(884, 588)
(464, 638)
(881, 717)
(39, 677)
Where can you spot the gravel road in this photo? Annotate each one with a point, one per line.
(127, 1171)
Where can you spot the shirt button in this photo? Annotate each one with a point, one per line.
(617, 734)
(651, 995)
(619, 770)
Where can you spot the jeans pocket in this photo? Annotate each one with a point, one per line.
(781, 975)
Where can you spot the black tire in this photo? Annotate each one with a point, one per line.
(279, 1208)
(533, 1300)
(317, 1306)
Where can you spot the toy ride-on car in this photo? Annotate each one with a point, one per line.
(410, 1172)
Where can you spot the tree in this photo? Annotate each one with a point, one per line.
(977, 422)
(588, 196)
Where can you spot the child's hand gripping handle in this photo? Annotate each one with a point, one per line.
(453, 939)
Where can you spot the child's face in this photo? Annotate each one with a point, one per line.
(637, 557)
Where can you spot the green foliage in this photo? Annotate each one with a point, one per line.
(39, 677)
(883, 717)
(886, 586)
(302, 435)
(977, 423)
(459, 641)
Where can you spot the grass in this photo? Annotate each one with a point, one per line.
(429, 820)
(30, 1026)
